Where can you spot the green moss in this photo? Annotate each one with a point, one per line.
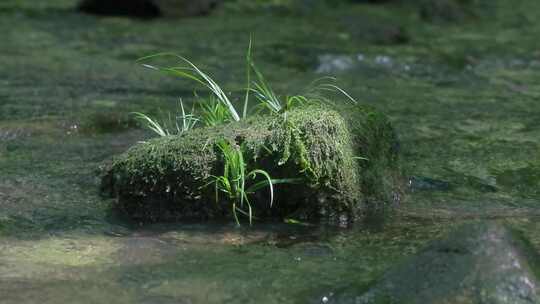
(167, 178)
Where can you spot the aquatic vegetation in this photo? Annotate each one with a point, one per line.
(165, 128)
(267, 97)
(315, 93)
(152, 124)
(233, 180)
(192, 72)
(218, 107)
(212, 112)
(265, 94)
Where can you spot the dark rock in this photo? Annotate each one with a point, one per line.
(148, 8)
(445, 10)
(374, 29)
(421, 183)
(387, 34)
(477, 263)
(186, 8)
(134, 8)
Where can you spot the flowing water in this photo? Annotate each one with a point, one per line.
(463, 97)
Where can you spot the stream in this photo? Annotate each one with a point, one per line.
(463, 97)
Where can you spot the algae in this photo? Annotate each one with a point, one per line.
(58, 251)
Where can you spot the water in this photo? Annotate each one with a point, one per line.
(463, 97)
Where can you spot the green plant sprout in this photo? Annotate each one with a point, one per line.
(214, 108)
(213, 113)
(188, 122)
(233, 180)
(192, 72)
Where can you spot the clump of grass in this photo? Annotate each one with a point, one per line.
(192, 72)
(218, 107)
(178, 125)
(265, 95)
(152, 124)
(271, 102)
(213, 113)
(234, 181)
(318, 88)
(188, 120)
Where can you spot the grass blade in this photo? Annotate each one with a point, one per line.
(248, 76)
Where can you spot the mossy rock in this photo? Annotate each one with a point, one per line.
(167, 178)
(477, 263)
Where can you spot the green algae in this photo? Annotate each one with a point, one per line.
(168, 177)
(520, 180)
(57, 251)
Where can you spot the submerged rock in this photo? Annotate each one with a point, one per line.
(168, 178)
(445, 10)
(148, 8)
(477, 263)
(422, 183)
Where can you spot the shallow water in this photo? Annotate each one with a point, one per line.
(463, 97)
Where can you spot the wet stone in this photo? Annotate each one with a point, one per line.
(329, 63)
(422, 183)
(477, 263)
(445, 10)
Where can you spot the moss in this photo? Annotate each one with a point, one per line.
(167, 178)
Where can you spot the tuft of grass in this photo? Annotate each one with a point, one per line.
(318, 88)
(191, 72)
(179, 125)
(264, 93)
(267, 97)
(234, 178)
(270, 101)
(152, 124)
(188, 120)
(213, 113)
(248, 78)
(213, 108)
